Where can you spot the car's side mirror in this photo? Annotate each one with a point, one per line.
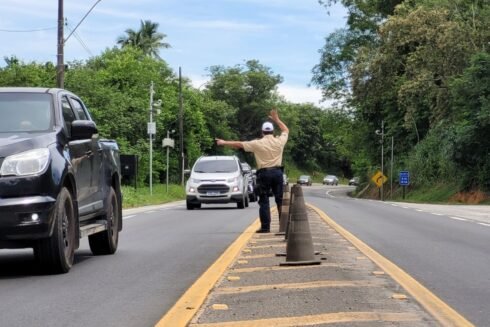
(83, 129)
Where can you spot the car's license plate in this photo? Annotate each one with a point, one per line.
(212, 193)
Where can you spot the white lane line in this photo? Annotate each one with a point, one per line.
(406, 207)
(484, 224)
(419, 210)
(437, 214)
(395, 205)
(458, 218)
(330, 195)
(151, 211)
(129, 217)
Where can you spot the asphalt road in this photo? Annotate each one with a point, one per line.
(163, 250)
(161, 253)
(446, 248)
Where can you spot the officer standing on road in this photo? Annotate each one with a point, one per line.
(268, 156)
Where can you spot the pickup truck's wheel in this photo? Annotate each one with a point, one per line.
(56, 253)
(189, 205)
(105, 242)
(246, 200)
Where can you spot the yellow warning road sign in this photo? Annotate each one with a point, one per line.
(379, 178)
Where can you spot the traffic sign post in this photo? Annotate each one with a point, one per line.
(379, 179)
(404, 180)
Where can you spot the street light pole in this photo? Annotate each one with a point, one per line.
(391, 170)
(150, 132)
(382, 134)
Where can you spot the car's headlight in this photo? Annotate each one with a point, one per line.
(26, 163)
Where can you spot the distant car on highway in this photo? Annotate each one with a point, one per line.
(304, 180)
(354, 181)
(330, 180)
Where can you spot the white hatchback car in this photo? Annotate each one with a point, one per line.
(217, 179)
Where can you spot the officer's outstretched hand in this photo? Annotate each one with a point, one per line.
(219, 141)
(274, 115)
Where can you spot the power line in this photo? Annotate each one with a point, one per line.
(88, 12)
(79, 39)
(28, 31)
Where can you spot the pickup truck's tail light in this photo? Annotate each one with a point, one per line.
(26, 163)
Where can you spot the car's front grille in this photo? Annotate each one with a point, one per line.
(213, 188)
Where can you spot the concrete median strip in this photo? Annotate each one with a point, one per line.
(353, 285)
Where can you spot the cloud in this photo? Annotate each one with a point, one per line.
(302, 94)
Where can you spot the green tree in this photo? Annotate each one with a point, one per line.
(249, 89)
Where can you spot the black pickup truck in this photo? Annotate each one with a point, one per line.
(58, 181)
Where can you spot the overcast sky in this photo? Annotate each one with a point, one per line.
(284, 35)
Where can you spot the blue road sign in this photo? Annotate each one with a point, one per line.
(404, 178)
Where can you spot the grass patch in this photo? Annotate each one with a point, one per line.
(141, 196)
(438, 193)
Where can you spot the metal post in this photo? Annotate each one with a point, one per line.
(391, 172)
(60, 65)
(181, 126)
(151, 139)
(168, 136)
(382, 155)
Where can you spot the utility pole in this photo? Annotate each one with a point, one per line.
(181, 126)
(60, 65)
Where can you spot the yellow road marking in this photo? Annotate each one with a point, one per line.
(219, 306)
(327, 318)
(186, 307)
(446, 315)
(267, 246)
(317, 284)
(258, 256)
(254, 269)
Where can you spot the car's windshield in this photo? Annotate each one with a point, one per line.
(25, 112)
(303, 177)
(330, 176)
(216, 166)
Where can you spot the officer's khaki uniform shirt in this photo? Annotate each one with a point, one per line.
(267, 150)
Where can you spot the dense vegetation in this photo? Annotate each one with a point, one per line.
(423, 68)
(420, 66)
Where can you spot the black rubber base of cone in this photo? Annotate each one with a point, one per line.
(281, 254)
(280, 234)
(300, 263)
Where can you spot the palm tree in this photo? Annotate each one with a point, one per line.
(147, 38)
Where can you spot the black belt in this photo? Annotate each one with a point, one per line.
(269, 168)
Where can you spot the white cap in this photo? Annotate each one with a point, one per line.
(267, 127)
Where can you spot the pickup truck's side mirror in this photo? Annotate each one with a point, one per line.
(187, 171)
(83, 129)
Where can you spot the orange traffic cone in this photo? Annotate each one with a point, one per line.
(299, 249)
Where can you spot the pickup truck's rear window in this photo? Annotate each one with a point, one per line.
(216, 166)
(25, 112)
